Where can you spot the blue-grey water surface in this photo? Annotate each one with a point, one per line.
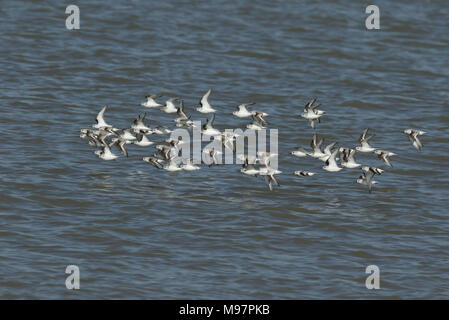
(138, 232)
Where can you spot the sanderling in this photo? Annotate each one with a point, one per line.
(327, 151)
(213, 156)
(304, 173)
(364, 145)
(413, 136)
(208, 128)
(374, 170)
(121, 145)
(268, 173)
(316, 148)
(139, 124)
(299, 152)
(347, 158)
(249, 169)
(367, 176)
(331, 163)
(156, 162)
(264, 158)
(101, 123)
(151, 101)
(367, 180)
(142, 140)
(257, 123)
(243, 111)
(204, 103)
(311, 112)
(106, 153)
(385, 156)
(170, 106)
(124, 134)
(161, 130)
(182, 117)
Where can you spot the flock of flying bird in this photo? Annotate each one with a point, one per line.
(104, 136)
